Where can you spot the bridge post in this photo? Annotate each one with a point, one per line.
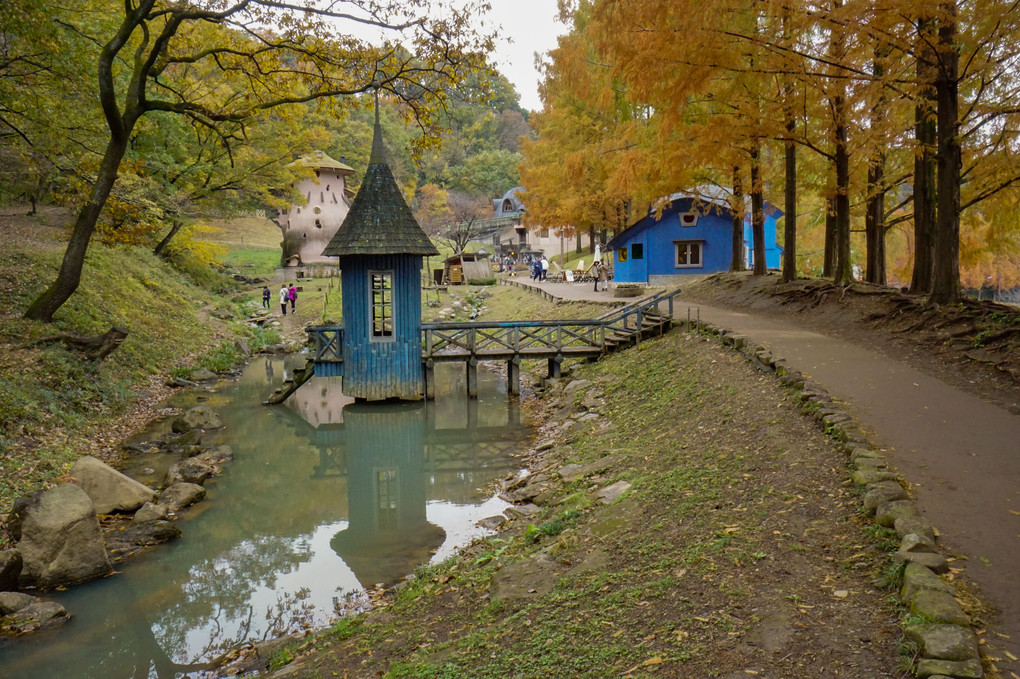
(554, 366)
(472, 377)
(430, 379)
(513, 376)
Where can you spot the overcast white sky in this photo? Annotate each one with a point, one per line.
(532, 26)
(525, 27)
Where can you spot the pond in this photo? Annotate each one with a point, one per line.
(324, 500)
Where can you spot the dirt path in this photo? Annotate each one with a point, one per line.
(960, 453)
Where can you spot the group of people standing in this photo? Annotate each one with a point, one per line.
(287, 294)
(539, 268)
(508, 265)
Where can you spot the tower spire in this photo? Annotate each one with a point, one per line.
(377, 143)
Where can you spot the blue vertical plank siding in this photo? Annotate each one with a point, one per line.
(328, 369)
(375, 368)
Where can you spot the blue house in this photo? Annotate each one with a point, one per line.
(380, 246)
(693, 236)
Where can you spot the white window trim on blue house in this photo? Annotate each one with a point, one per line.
(689, 248)
(380, 306)
(688, 219)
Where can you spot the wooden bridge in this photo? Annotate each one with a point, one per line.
(510, 341)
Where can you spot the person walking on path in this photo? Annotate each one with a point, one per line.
(265, 296)
(284, 296)
(603, 281)
(545, 268)
(292, 296)
(600, 276)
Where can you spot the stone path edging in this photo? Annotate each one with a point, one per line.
(945, 639)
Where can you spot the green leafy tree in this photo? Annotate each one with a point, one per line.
(156, 57)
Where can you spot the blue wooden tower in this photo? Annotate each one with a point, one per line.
(380, 246)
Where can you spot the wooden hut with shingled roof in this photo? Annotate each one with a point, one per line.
(380, 247)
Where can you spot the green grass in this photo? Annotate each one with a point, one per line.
(53, 401)
(254, 262)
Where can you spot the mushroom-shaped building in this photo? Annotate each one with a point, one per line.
(308, 228)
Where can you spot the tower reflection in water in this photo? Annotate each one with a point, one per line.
(398, 458)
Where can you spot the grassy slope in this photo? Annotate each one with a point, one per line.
(736, 550)
(53, 404)
(253, 244)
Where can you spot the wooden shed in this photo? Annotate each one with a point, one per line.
(467, 266)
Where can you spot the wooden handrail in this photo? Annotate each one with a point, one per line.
(502, 337)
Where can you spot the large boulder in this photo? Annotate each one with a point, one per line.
(61, 542)
(199, 417)
(110, 490)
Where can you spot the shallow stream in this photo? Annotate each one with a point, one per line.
(324, 500)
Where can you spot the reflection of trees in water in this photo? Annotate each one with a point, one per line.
(219, 590)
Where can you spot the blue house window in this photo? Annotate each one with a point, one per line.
(688, 254)
(637, 251)
(621, 255)
(382, 304)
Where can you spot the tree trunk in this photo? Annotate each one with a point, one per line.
(737, 238)
(946, 270)
(924, 164)
(757, 213)
(43, 308)
(874, 215)
(874, 221)
(829, 248)
(790, 203)
(843, 271)
(95, 348)
(790, 167)
(159, 249)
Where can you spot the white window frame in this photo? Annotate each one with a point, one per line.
(691, 213)
(686, 244)
(385, 302)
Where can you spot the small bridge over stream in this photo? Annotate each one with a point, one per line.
(510, 341)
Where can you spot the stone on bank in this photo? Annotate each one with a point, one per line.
(61, 542)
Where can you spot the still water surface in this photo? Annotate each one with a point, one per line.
(324, 499)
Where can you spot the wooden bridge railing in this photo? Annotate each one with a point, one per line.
(328, 342)
(515, 340)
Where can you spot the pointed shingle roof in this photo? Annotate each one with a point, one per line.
(379, 222)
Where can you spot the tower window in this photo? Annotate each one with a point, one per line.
(381, 283)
